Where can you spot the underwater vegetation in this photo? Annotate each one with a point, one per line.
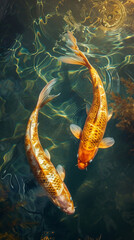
(17, 218)
(8, 212)
(123, 106)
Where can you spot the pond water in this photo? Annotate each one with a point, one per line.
(32, 39)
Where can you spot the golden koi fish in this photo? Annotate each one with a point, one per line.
(91, 138)
(46, 174)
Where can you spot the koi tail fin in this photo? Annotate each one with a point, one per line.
(44, 96)
(79, 58)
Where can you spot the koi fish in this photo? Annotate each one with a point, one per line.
(91, 138)
(49, 178)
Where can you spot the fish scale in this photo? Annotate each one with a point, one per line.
(40, 162)
(47, 176)
(91, 138)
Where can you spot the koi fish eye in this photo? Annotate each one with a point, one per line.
(71, 198)
(77, 155)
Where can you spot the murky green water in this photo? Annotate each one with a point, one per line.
(31, 40)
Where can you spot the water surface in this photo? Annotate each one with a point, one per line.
(32, 39)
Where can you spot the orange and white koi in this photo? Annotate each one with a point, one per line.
(46, 174)
(91, 138)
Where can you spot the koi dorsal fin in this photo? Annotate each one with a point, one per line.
(106, 142)
(61, 172)
(76, 130)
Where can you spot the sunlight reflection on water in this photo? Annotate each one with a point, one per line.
(104, 30)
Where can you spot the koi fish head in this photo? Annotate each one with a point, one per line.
(86, 157)
(64, 201)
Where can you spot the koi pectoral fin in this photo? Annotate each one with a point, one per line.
(76, 130)
(61, 172)
(106, 142)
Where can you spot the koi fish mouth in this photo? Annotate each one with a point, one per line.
(70, 210)
(83, 166)
(64, 205)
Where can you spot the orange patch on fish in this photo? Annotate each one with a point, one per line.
(91, 137)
